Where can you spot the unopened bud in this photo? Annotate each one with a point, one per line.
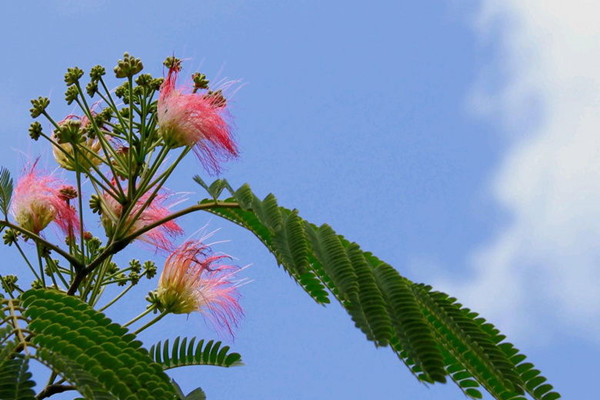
(72, 76)
(67, 193)
(39, 106)
(128, 66)
(200, 81)
(173, 63)
(35, 130)
(71, 94)
(97, 72)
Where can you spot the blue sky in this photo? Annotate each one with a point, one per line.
(456, 141)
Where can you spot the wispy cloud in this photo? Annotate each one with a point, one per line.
(541, 272)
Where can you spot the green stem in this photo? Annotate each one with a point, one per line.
(157, 186)
(149, 324)
(50, 262)
(27, 261)
(113, 301)
(80, 203)
(39, 254)
(143, 314)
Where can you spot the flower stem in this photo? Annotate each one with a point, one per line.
(149, 324)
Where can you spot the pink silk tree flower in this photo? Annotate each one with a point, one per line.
(192, 280)
(40, 199)
(196, 120)
(159, 237)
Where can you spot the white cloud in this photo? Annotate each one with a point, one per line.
(542, 270)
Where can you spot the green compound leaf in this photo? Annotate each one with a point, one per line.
(15, 379)
(97, 356)
(6, 189)
(184, 352)
(430, 332)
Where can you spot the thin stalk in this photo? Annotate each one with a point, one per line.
(149, 324)
(80, 203)
(27, 261)
(140, 316)
(105, 145)
(157, 185)
(99, 280)
(39, 254)
(50, 261)
(113, 301)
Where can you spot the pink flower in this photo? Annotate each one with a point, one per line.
(195, 120)
(160, 236)
(193, 281)
(39, 200)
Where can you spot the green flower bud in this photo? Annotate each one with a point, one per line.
(134, 277)
(35, 130)
(37, 284)
(97, 72)
(92, 88)
(112, 268)
(155, 85)
(9, 283)
(69, 132)
(72, 76)
(135, 265)
(122, 279)
(128, 66)
(200, 81)
(173, 63)
(10, 236)
(96, 204)
(144, 79)
(71, 94)
(150, 269)
(39, 106)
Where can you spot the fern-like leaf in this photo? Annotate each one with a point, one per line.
(97, 356)
(15, 379)
(430, 332)
(184, 353)
(6, 189)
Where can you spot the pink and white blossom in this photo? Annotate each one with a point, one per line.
(38, 200)
(197, 120)
(159, 237)
(194, 279)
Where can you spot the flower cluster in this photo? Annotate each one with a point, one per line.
(121, 154)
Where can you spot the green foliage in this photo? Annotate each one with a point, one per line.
(99, 357)
(6, 189)
(15, 379)
(196, 394)
(429, 331)
(182, 353)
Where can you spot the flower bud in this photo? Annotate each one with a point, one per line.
(39, 106)
(72, 76)
(71, 133)
(128, 66)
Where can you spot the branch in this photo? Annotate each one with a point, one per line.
(120, 244)
(38, 239)
(54, 389)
